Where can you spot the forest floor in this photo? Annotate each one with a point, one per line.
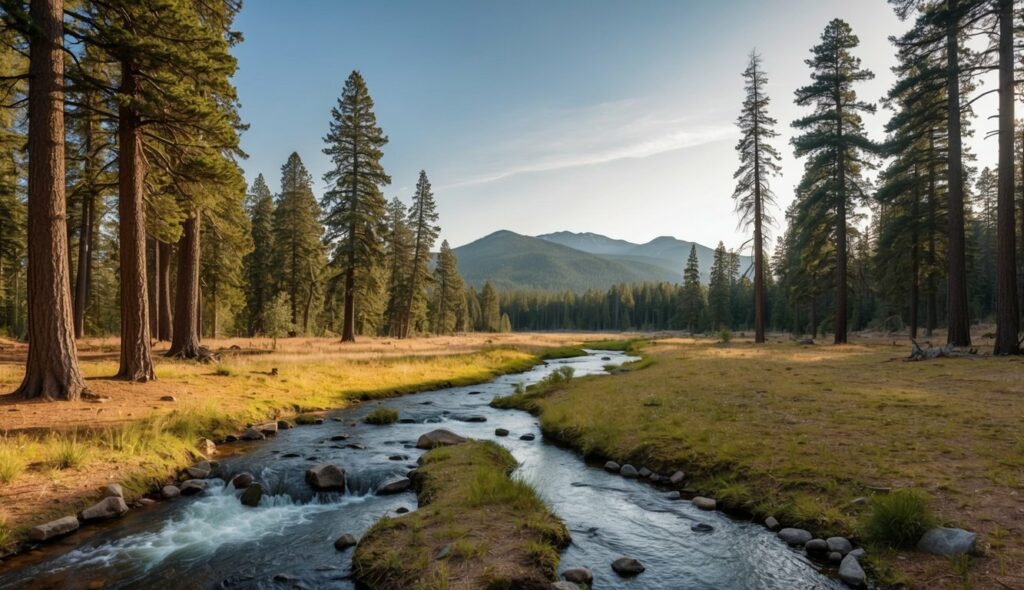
(810, 433)
(54, 456)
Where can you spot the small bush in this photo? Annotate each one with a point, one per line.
(382, 416)
(68, 453)
(899, 519)
(725, 335)
(12, 463)
(224, 371)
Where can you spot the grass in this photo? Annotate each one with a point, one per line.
(562, 352)
(899, 519)
(525, 399)
(805, 433)
(498, 531)
(12, 463)
(382, 416)
(67, 452)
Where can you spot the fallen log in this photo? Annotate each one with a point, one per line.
(919, 353)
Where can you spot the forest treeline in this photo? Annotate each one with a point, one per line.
(123, 208)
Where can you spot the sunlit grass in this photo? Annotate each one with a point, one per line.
(12, 461)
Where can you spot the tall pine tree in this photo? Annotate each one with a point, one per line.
(423, 223)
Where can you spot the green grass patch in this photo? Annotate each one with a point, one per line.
(563, 352)
(381, 416)
(12, 463)
(899, 519)
(68, 453)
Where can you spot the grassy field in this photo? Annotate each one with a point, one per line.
(54, 456)
(811, 434)
(496, 530)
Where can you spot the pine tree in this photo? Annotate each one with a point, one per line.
(354, 207)
(490, 309)
(258, 264)
(835, 143)
(693, 293)
(298, 252)
(423, 223)
(449, 292)
(1007, 310)
(720, 289)
(398, 256)
(758, 161)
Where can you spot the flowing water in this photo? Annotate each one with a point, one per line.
(212, 541)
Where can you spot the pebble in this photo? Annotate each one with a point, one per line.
(628, 470)
(771, 523)
(612, 467)
(344, 542)
(579, 575)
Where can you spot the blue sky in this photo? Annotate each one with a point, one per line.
(537, 116)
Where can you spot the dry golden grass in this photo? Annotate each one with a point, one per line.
(801, 432)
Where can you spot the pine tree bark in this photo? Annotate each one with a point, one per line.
(185, 343)
(154, 318)
(136, 348)
(1007, 314)
(164, 293)
(84, 259)
(915, 265)
(959, 333)
(51, 371)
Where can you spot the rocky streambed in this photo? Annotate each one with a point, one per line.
(287, 539)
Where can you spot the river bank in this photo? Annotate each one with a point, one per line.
(810, 434)
(55, 456)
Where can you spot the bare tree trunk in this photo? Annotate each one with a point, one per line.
(213, 310)
(52, 370)
(164, 294)
(1007, 314)
(154, 318)
(348, 333)
(136, 349)
(959, 322)
(186, 303)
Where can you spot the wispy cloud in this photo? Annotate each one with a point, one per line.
(595, 135)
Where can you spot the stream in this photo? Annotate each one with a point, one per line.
(213, 541)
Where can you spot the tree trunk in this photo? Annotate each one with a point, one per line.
(154, 318)
(959, 322)
(213, 309)
(84, 257)
(758, 241)
(915, 264)
(51, 371)
(164, 294)
(348, 333)
(1007, 315)
(185, 344)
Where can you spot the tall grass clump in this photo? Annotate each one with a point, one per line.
(899, 519)
(67, 453)
(382, 416)
(12, 463)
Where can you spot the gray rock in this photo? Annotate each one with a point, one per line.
(644, 472)
(112, 490)
(52, 529)
(191, 487)
(673, 495)
(500, 432)
(444, 552)
(169, 492)
(772, 523)
(676, 478)
(196, 472)
(528, 437)
(270, 428)
(835, 557)
(702, 527)
(816, 546)
(628, 470)
(326, 477)
(794, 536)
(612, 467)
(473, 418)
(395, 486)
(438, 438)
(858, 552)
(207, 447)
(579, 575)
(242, 480)
(563, 585)
(401, 510)
(344, 542)
(705, 503)
(252, 434)
(948, 541)
(252, 494)
(851, 573)
(839, 544)
(627, 567)
(110, 507)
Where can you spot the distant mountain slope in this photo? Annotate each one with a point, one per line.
(513, 261)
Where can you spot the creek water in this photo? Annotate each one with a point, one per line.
(212, 541)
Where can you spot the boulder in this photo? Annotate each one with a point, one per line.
(191, 487)
(500, 432)
(772, 523)
(169, 492)
(612, 467)
(326, 477)
(840, 545)
(628, 470)
(242, 480)
(835, 557)
(816, 546)
(947, 541)
(52, 529)
(705, 503)
(207, 447)
(528, 437)
(401, 510)
(197, 471)
(677, 478)
(252, 434)
(851, 573)
(579, 575)
(395, 486)
(627, 567)
(344, 542)
(673, 495)
(794, 536)
(252, 494)
(438, 438)
(112, 490)
(110, 507)
(858, 552)
(270, 428)
(644, 472)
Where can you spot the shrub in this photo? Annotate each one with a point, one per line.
(11, 463)
(68, 453)
(224, 371)
(725, 335)
(382, 416)
(899, 519)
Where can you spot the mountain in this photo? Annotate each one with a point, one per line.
(575, 261)
(513, 261)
